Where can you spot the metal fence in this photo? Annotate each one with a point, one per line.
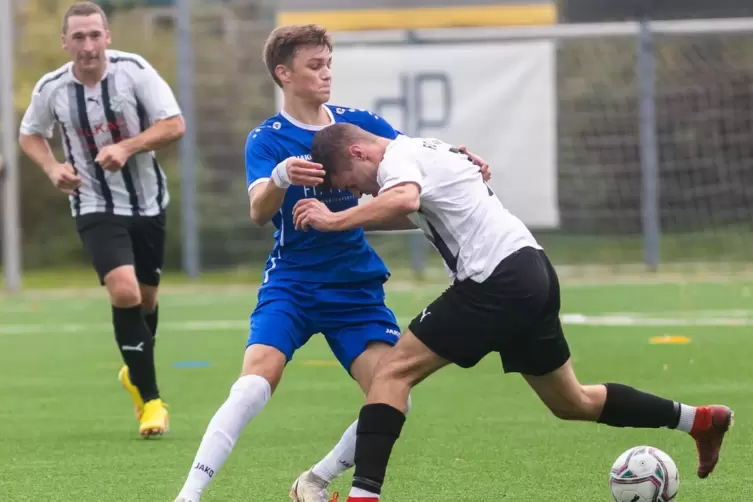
(655, 162)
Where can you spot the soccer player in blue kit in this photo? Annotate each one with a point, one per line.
(313, 282)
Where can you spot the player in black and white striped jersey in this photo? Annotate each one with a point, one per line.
(113, 110)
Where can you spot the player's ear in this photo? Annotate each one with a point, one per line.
(356, 151)
(283, 73)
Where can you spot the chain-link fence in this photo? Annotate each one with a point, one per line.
(700, 91)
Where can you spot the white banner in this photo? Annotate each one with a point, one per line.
(496, 98)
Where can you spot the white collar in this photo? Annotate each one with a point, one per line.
(308, 127)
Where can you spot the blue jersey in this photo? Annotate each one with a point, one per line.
(312, 256)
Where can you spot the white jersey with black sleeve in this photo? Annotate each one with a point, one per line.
(459, 213)
(130, 97)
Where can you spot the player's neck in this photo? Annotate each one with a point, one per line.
(89, 79)
(306, 112)
(383, 144)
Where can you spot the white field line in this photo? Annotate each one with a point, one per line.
(633, 320)
(681, 314)
(611, 320)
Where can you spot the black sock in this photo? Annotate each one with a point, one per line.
(379, 426)
(152, 319)
(135, 344)
(628, 407)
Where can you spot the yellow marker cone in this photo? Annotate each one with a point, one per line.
(669, 340)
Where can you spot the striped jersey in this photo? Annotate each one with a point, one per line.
(459, 213)
(130, 97)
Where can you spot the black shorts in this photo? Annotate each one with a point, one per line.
(514, 312)
(112, 241)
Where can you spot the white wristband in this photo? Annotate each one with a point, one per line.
(280, 175)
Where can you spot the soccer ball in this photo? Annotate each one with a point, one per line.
(644, 474)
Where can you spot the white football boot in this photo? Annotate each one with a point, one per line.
(309, 488)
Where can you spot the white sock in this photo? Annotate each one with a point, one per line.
(248, 396)
(342, 457)
(687, 418)
(357, 492)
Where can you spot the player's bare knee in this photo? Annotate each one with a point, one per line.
(397, 370)
(123, 287)
(364, 366)
(409, 362)
(123, 296)
(266, 362)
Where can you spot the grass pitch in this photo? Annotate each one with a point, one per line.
(67, 431)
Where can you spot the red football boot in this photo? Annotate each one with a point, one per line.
(709, 427)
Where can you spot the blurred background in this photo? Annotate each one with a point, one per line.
(619, 131)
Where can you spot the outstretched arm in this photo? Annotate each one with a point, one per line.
(397, 202)
(399, 223)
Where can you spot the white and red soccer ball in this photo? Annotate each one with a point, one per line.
(644, 474)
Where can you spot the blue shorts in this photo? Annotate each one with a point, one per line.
(349, 315)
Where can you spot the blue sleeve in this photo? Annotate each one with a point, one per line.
(375, 124)
(260, 158)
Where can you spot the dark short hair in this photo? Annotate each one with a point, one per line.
(283, 43)
(83, 9)
(330, 148)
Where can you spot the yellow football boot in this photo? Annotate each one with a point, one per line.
(154, 421)
(125, 381)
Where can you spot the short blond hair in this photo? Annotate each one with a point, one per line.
(83, 9)
(283, 43)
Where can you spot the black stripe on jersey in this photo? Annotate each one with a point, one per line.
(99, 173)
(72, 162)
(135, 61)
(117, 137)
(444, 251)
(144, 125)
(52, 79)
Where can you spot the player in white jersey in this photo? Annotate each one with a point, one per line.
(112, 110)
(505, 298)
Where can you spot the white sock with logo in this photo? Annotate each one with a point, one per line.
(248, 396)
(342, 457)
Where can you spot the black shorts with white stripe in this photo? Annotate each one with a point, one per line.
(112, 241)
(514, 312)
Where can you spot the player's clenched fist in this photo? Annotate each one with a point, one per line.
(64, 177)
(313, 213)
(295, 171)
(112, 158)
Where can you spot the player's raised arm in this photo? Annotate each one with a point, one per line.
(267, 196)
(268, 179)
(36, 127)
